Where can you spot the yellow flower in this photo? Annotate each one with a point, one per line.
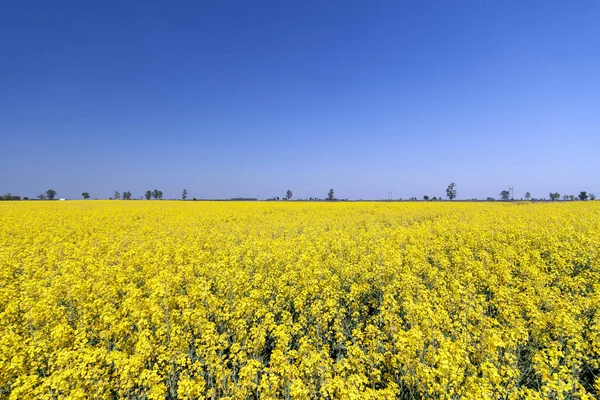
(299, 300)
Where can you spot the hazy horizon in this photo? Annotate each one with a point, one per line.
(232, 99)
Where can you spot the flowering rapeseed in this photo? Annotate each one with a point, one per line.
(299, 300)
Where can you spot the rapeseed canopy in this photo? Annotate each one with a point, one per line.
(299, 300)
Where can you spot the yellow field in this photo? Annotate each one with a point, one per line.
(155, 299)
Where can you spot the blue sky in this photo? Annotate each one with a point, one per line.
(251, 98)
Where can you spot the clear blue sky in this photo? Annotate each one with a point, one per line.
(250, 98)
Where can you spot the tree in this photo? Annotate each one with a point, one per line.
(117, 195)
(85, 195)
(127, 195)
(288, 194)
(155, 194)
(330, 195)
(505, 195)
(426, 198)
(527, 196)
(571, 197)
(41, 196)
(451, 191)
(148, 194)
(566, 197)
(592, 196)
(160, 195)
(583, 196)
(50, 194)
(184, 194)
(554, 196)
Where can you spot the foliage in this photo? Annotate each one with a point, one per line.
(157, 194)
(154, 300)
(451, 191)
(9, 196)
(583, 196)
(554, 196)
(50, 194)
(330, 195)
(505, 195)
(85, 195)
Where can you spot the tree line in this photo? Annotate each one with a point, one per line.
(451, 194)
(583, 196)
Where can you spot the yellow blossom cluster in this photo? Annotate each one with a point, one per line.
(182, 300)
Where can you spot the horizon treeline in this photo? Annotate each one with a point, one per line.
(451, 194)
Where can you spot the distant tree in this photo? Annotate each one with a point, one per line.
(491, 199)
(25, 198)
(451, 191)
(117, 196)
(426, 198)
(592, 197)
(571, 197)
(148, 194)
(434, 198)
(277, 198)
(155, 194)
(566, 197)
(330, 195)
(505, 195)
(527, 196)
(288, 194)
(583, 196)
(184, 194)
(85, 195)
(127, 195)
(554, 196)
(41, 196)
(50, 194)
(194, 199)
(160, 195)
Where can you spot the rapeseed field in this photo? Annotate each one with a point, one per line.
(162, 299)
